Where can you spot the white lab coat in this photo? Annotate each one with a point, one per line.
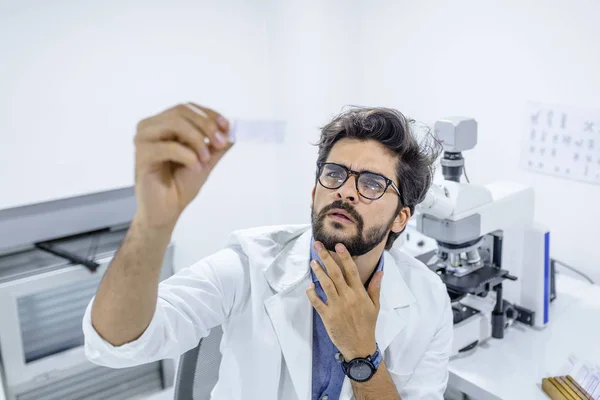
(255, 288)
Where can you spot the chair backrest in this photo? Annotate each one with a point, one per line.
(198, 370)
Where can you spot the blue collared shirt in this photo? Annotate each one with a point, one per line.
(327, 376)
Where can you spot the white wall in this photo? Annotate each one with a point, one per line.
(76, 77)
(432, 59)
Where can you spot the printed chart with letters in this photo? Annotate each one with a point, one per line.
(562, 141)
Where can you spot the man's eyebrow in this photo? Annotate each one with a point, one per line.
(362, 170)
(372, 172)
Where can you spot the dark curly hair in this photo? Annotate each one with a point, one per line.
(415, 158)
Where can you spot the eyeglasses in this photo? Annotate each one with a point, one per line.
(368, 184)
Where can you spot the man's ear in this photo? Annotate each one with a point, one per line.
(401, 220)
(312, 195)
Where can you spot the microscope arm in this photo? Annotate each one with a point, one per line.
(436, 203)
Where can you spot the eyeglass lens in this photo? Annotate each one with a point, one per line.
(369, 185)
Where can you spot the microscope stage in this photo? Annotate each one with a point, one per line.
(478, 281)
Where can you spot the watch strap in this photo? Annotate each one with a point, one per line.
(375, 359)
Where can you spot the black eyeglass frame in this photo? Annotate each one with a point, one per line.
(350, 172)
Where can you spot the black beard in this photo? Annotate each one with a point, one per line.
(357, 245)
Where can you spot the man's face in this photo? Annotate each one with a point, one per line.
(370, 220)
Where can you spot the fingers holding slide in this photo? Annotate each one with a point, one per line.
(212, 124)
(200, 129)
(175, 151)
(221, 121)
(182, 131)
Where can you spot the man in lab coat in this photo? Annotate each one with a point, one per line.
(323, 311)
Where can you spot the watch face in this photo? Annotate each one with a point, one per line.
(360, 370)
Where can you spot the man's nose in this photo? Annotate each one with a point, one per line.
(348, 190)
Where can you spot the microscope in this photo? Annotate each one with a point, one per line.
(485, 246)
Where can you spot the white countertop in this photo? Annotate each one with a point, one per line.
(513, 367)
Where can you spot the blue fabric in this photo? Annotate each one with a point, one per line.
(327, 375)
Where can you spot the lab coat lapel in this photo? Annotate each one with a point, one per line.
(394, 297)
(290, 311)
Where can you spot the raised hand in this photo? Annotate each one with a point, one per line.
(175, 152)
(350, 313)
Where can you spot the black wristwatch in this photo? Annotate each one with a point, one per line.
(361, 369)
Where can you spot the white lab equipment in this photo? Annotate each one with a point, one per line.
(52, 258)
(483, 243)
